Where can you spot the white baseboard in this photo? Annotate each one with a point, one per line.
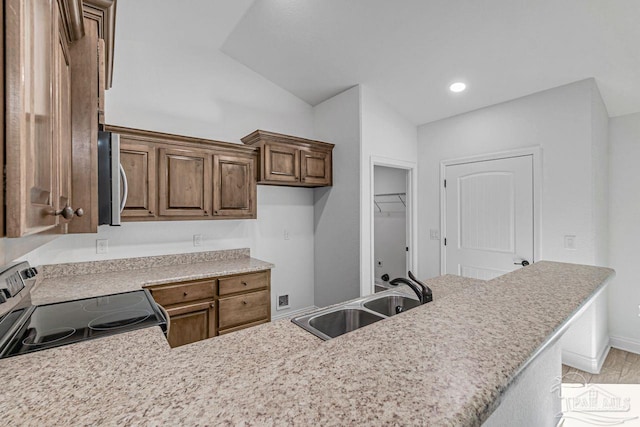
(288, 314)
(585, 363)
(626, 344)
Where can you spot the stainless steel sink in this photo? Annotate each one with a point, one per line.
(388, 305)
(340, 322)
(337, 320)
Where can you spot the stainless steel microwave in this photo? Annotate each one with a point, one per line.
(112, 180)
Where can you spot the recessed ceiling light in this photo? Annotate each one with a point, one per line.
(457, 87)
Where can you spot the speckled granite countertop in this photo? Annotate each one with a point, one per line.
(444, 363)
(64, 282)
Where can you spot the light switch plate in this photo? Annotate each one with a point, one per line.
(570, 242)
(197, 240)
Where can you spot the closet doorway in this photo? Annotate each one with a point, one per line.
(391, 224)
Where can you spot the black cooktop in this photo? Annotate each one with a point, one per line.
(52, 325)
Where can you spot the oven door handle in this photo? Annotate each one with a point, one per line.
(166, 318)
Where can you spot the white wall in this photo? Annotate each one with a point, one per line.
(390, 225)
(558, 120)
(385, 134)
(337, 208)
(570, 124)
(624, 291)
(176, 89)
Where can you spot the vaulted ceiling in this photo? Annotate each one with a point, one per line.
(409, 51)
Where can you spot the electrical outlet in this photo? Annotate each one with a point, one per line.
(570, 242)
(283, 302)
(434, 234)
(197, 240)
(286, 234)
(102, 246)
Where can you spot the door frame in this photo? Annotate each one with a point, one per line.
(367, 287)
(536, 153)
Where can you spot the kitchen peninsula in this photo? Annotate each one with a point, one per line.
(449, 362)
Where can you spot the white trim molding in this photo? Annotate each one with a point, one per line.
(536, 153)
(626, 344)
(367, 276)
(593, 365)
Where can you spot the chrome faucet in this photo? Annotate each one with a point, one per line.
(422, 291)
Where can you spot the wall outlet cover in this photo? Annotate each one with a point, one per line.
(283, 302)
(197, 240)
(102, 246)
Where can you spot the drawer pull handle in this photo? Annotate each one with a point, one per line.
(185, 294)
(244, 303)
(244, 283)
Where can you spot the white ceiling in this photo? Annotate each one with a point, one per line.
(409, 51)
(197, 23)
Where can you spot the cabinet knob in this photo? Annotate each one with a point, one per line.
(67, 212)
(206, 213)
(244, 303)
(185, 294)
(244, 283)
(150, 212)
(215, 212)
(213, 305)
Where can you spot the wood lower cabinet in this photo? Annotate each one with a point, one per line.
(191, 323)
(205, 308)
(139, 164)
(243, 309)
(292, 161)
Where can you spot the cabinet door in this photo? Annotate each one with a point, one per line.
(139, 164)
(31, 154)
(84, 134)
(184, 187)
(62, 86)
(191, 323)
(234, 187)
(315, 168)
(281, 163)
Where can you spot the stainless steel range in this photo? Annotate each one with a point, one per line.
(25, 328)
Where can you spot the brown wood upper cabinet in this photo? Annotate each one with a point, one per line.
(184, 182)
(186, 178)
(38, 116)
(293, 161)
(139, 164)
(91, 70)
(234, 186)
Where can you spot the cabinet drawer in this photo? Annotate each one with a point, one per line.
(183, 292)
(246, 282)
(241, 309)
(245, 326)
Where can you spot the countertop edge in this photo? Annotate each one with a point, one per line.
(551, 340)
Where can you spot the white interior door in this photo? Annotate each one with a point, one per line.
(488, 217)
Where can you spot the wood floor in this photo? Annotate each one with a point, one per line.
(620, 367)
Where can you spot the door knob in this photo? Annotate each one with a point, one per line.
(523, 263)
